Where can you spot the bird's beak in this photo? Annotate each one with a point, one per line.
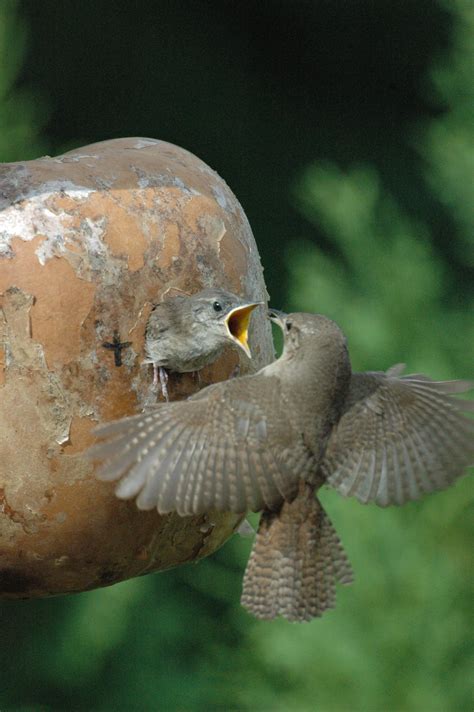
(278, 317)
(237, 323)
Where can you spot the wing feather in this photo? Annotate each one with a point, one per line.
(191, 454)
(161, 489)
(264, 478)
(169, 495)
(219, 450)
(196, 481)
(252, 485)
(399, 437)
(141, 469)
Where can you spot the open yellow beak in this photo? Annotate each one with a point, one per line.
(237, 322)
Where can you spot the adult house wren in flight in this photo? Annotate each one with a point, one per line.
(185, 333)
(268, 441)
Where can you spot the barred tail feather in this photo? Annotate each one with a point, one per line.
(296, 560)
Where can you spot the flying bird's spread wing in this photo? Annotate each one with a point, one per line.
(399, 437)
(209, 452)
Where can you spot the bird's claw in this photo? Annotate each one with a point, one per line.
(164, 383)
(160, 375)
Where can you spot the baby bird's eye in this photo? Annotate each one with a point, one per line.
(288, 325)
(217, 306)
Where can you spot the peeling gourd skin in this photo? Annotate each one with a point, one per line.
(89, 242)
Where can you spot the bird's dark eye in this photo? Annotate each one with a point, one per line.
(217, 306)
(288, 325)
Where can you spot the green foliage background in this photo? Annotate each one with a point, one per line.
(352, 151)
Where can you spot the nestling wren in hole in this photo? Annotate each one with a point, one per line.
(268, 441)
(185, 333)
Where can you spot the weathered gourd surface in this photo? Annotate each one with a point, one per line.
(89, 241)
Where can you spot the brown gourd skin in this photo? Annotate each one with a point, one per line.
(90, 241)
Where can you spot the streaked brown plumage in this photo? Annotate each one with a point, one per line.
(296, 561)
(270, 440)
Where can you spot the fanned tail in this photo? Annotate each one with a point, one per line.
(296, 560)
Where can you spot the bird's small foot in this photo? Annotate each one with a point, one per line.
(164, 383)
